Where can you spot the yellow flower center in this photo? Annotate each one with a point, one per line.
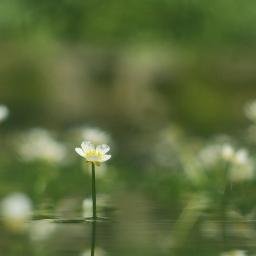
(93, 154)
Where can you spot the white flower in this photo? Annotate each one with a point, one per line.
(38, 144)
(240, 165)
(94, 154)
(16, 210)
(234, 253)
(4, 112)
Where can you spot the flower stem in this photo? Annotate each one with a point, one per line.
(94, 192)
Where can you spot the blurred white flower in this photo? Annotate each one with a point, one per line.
(38, 144)
(242, 167)
(16, 210)
(213, 153)
(41, 229)
(94, 154)
(4, 112)
(228, 152)
(210, 155)
(95, 135)
(97, 252)
(241, 157)
(250, 110)
(87, 208)
(234, 253)
(102, 201)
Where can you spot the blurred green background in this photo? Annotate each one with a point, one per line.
(158, 80)
(137, 63)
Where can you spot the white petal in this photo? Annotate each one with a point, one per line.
(105, 158)
(104, 148)
(87, 146)
(79, 151)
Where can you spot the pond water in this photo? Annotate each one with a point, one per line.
(134, 226)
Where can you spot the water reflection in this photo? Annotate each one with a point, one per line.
(140, 226)
(93, 237)
(94, 250)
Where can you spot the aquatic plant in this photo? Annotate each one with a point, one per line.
(94, 156)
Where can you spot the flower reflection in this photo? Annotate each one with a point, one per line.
(41, 230)
(238, 226)
(94, 250)
(97, 252)
(16, 210)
